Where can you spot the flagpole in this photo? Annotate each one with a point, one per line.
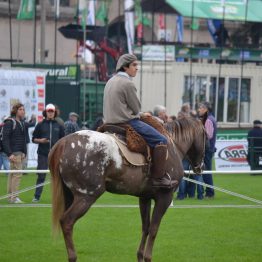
(42, 35)
(84, 73)
(10, 31)
(34, 55)
(55, 43)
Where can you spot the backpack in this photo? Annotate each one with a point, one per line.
(2, 128)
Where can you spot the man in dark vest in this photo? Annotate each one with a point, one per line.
(254, 139)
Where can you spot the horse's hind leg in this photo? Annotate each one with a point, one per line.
(145, 207)
(162, 203)
(79, 207)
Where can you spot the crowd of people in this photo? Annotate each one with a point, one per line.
(15, 140)
(121, 105)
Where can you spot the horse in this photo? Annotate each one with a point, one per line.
(87, 163)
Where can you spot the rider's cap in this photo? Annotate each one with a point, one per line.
(125, 60)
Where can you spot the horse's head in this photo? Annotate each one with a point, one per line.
(189, 136)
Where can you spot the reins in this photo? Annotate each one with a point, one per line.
(198, 168)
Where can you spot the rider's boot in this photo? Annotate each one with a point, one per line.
(160, 178)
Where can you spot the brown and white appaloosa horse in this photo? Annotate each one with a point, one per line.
(87, 163)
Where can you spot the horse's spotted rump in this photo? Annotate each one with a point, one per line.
(99, 142)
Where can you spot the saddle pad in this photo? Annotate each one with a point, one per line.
(133, 158)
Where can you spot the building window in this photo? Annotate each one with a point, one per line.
(220, 100)
(232, 100)
(245, 100)
(229, 97)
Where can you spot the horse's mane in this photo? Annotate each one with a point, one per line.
(184, 129)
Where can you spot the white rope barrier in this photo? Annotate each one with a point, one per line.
(190, 172)
(185, 178)
(24, 190)
(24, 171)
(224, 191)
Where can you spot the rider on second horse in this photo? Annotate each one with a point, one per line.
(121, 105)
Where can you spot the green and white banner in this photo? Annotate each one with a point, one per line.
(240, 10)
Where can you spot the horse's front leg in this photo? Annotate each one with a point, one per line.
(162, 202)
(145, 207)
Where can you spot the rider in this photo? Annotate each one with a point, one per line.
(121, 105)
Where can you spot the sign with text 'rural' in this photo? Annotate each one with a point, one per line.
(231, 155)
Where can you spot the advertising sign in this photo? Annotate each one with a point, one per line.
(231, 155)
(156, 52)
(27, 87)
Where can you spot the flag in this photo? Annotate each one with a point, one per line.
(194, 24)
(140, 18)
(102, 12)
(57, 8)
(82, 12)
(161, 21)
(180, 32)
(213, 25)
(180, 28)
(87, 17)
(129, 25)
(26, 10)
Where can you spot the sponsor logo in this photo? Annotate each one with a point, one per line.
(41, 92)
(41, 107)
(68, 71)
(234, 153)
(40, 80)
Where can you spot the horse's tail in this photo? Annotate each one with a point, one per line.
(58, 196)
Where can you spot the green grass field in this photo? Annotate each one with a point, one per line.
(108, 234)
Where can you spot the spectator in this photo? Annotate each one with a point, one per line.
(4, 161)
(98, 122)
(46, 134)
(14, 146)
(185, 110)
(205, 114)
(71, 125)
(254, 139)
(160, 113)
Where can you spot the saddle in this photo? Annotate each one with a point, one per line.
(126, 136)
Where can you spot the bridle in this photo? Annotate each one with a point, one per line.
(198, 169)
